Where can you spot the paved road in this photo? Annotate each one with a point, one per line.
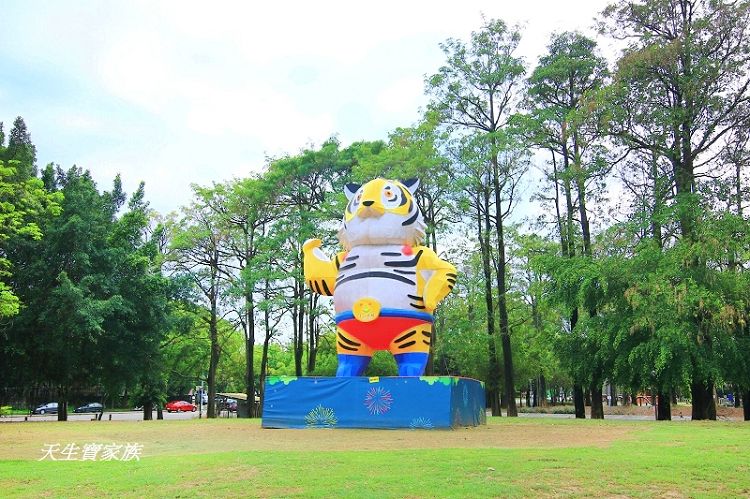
(114, 416)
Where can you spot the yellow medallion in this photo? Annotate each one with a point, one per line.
(366, 309)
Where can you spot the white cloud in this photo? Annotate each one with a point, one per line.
(181, 92)
(400, 95)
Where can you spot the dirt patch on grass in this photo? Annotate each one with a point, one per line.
(26, 441)
(678, 411)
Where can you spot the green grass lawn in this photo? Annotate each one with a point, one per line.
(519, 457)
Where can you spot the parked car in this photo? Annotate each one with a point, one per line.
(180, 406)
(90, 407)
(50, 408)
(231, 405)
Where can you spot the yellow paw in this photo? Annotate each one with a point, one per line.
(311, 244)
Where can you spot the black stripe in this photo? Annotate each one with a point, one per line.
(337, 262)
(349, 266)
(425, 342)
(418, 298)
(348, 341)
(351, 258)
(405, 272)
(390, 253)
(418, 307)
(411, 219)
(407, 263)
(407, 335)
(427, 333)
(325, 288)
(450, 286)
(451, 274)
(407, 344)
(384, 275)
(317, 288)
(346, 347)
(452, 281)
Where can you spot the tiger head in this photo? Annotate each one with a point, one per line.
(382, 212)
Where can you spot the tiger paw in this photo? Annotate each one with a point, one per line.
(311, 244)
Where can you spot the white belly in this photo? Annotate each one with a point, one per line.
(365, 273)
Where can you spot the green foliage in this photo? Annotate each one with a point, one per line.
(23, 205)
(94, 301)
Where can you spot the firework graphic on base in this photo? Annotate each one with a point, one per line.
(421, 423)
(321, 417)
(378, 400)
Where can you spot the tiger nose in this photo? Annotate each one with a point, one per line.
(368, 203)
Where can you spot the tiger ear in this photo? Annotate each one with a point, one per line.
(412, 184)
(350, 190)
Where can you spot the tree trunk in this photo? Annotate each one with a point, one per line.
(250, 376)
(148, 411)
(542, 391)
(298, 316)
(263, 368)
(703, 401)
(663, 406)
(597, 408)
(612, 395)
(529, 395)
(159, 412)
(250, 355)
(737, 396)
(502, 302)
(493, 375)
(746, 405)
(214, 360)
(62, 410)
(578, 402)
(312, 334)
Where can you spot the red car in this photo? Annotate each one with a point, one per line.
(180, 406)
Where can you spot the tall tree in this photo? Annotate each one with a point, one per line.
(92, 300)
(309, 189)
(247, 210)
(681, 85)
(556, 89)
(21, 149)
(198, 240)
(474, 91)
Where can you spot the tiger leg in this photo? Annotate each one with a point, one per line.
(411, 349)
(353, 355)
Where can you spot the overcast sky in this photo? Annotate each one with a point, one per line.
(174, 93)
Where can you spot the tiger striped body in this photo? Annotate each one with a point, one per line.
(385, 286)
(384, 273)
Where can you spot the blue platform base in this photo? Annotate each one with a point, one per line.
(427, 402)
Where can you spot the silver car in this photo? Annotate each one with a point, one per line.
(50, 408)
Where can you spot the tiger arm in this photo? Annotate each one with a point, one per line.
(320, 271)
(441, 281)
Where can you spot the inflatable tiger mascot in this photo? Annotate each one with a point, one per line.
(385, 285)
